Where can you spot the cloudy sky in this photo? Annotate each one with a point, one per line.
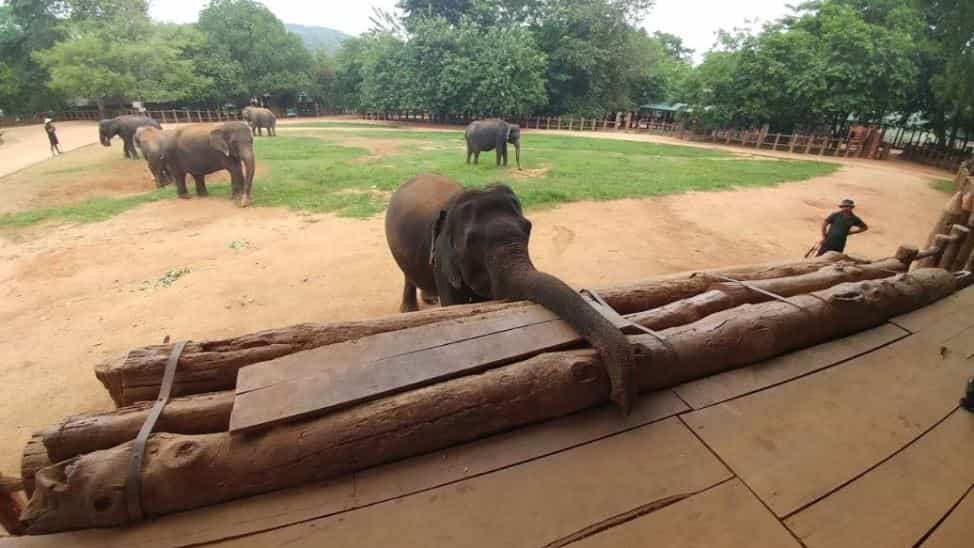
(696, 21)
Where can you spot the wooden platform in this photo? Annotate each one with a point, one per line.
(857, 442)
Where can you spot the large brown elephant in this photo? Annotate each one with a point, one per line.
(203, 149)
(471, 245)
(258, 118)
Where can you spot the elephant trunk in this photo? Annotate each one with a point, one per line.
(517, 152)
(513, 276)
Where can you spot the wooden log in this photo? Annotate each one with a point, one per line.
(12, 503)
(196, 414)
(958, 235)
(181, 472)
(33, 459)
(966, 249)
(952, 210)
(210, 366)
(906, 254)
(728, 294)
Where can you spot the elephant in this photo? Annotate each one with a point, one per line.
(124, 126)
(471, 245)
(493, 134)
(152, 142)
(203, 149)
(258, 118)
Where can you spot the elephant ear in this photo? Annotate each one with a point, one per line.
(219, 141)
(443, 256)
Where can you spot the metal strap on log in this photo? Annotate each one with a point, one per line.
(764, 292)
(592, 294)
(133, 483)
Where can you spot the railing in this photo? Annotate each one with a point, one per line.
(933, 156)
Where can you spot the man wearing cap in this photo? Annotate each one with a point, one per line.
(52, 136)
(838, 226)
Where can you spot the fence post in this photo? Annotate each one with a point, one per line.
(791, 143)
(777, 138)
(548, 123)
(727, 134)
(571, 119)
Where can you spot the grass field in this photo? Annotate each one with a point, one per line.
(350, 169)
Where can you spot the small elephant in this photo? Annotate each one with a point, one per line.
(152, 142)
(125, 126)
(203, 149)
(493, 134)
(471, 245)
(258, 118)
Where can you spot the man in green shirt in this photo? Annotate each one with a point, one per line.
(838, 226)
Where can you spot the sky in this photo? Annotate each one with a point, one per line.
(696, 21)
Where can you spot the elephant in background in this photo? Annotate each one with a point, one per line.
(124, 126)
(471, 245)
(493, 134)
(152, 142)
(203, 149)
(258, 118)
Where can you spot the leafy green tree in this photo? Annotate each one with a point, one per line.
(271, 59)
(323, 88)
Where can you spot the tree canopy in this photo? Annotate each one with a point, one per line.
(825, 65)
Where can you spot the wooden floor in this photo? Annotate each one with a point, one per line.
(858, 442)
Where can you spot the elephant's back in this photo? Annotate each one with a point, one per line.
(412, 210)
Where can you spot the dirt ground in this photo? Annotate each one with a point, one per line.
(71, 296)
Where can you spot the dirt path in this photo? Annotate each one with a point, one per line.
(71, 296)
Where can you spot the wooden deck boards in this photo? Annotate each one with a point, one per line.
(830, 445)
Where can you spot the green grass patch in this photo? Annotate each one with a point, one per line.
(943, 185)
(341, 124)
(341, 172)
(87, 211)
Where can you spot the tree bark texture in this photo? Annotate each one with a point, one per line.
(209, 366)
(184, 471)
(195, 414)
(729, 294)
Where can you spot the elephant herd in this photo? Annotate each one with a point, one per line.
(194, 150)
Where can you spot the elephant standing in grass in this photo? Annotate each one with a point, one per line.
(471, 245)
(152, 142)
(203, 149)
(493, 134)
(258, 118)
(124, 126)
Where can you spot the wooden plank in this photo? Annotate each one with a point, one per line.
(955, 531)
(801, 440)
(957, 309)
(289, 506)
(534, 504)
(356, 382)
(738, 382)
(727, 515)
(899, 501)
(322, 379)
(385, 345)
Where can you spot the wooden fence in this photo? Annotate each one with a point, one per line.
(933, 156)
(170, 116)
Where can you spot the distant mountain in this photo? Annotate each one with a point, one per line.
(318, 37)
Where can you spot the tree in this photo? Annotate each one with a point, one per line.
(123, 55)
(323, 88)
(271, 59)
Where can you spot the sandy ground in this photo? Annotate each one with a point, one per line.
(71, 296)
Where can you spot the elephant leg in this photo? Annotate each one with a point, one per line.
(469, 154)
(200, 185)
(181, 185)
(429, 298)
(409, 303)
(476, 157)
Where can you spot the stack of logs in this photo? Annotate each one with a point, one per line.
(705, 322)
(951, 242)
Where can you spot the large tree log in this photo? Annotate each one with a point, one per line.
(210, 366)
(966, 249)
(953, 212)
(728, 294)
(208, 413)
(33, 459)
(196, 414)
(182, 472)
(958, 235)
